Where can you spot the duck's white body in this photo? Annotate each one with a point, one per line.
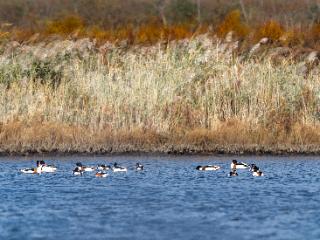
(257, 174)
(103, 168)
(208, 168)
(88, 169)
(36, 170)
(77, 173)
(239, 166)
(28, 170)
(49, 169)
(119, 169)
(84, 168)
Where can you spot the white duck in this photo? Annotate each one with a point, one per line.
(238, 165)
(139, 167)
(103, 167)
(78, 171)
(208, 168)
(117, 168)
(256, 172)
(47, 168)
(85, 168)
(37, 170)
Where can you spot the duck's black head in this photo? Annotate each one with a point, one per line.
(255, 168)
(234, 161)
(79, 164)
(42, 162)
(198, 167)
(115, 164)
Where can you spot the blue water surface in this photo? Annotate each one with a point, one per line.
(168, 200)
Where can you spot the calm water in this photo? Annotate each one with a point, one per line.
(169, 200)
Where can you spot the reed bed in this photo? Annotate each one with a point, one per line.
(193, 95)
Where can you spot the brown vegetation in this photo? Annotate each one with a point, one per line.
(159, 76)
(232, 136)
(192, 95)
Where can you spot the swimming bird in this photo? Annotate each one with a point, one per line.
(256, 172)
(78, 171)
(253, 167)
(101, 174)
(37, 170)
(103, 167)
(85, 168)
(208, 168)
(47, 168)
(139, 167)
(238, 165)
(117, 168)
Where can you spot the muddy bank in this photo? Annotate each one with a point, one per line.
(238, 138)
(168, 150)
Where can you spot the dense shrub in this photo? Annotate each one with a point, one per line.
(232, 22)
(65, 26)
(271, 29)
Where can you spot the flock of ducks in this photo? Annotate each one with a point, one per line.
(42, 167)
(235, 165)
(101, 170)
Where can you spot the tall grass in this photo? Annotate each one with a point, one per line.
(188, 95)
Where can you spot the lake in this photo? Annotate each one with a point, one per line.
(168, 200)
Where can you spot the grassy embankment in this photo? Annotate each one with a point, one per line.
(189, 96)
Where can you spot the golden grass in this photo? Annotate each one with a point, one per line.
(186, 96)
(234, 138)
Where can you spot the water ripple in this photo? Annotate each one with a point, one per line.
(169, 200)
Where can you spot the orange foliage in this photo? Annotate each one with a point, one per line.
(232, 22)
(98, 33)
(154, 31)
(125, 33)
(271, 29)
(315, 31)
(65, 26)
(149, 34)
(314, 35)
(292, 37)
(180, 32)
(21, 35)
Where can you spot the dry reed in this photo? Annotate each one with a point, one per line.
(186, 96)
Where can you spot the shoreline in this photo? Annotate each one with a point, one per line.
(173, 152)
